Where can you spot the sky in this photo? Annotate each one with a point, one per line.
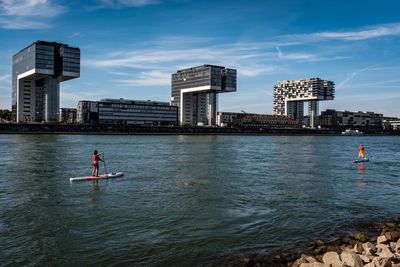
(130, 48)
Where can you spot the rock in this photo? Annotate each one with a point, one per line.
(383, 251)
(392, 246)
(332, 259)
(381, 239)
(351, 259)
(397, 248)
(337, 241)
(358, 248)
(392, 235)
(365, 259)
(360, 236)
(320, 250)
(314, 264)
(382, 262)
(311, 259)
(369, 248)
(331, 248)
(387, 227)
(371, 264)
(299, 261)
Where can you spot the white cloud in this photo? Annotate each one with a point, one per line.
(247, 59)
(127, 3)
(371, 32)
(150, 78)
(352, 75)
(294, 56)
(5, 77)
(28, 14)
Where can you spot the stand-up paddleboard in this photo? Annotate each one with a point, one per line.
(100, 177)
(360, 160)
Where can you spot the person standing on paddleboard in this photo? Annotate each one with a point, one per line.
(95, 161)
(361, 152)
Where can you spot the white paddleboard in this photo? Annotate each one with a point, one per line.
(100, 177)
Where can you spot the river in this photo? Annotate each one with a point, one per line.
(186, 200)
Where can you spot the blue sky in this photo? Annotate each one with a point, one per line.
(130, 48)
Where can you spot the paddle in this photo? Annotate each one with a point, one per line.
(105, 167)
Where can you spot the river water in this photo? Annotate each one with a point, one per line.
(186, 200)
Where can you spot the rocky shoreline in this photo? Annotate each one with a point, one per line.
(377, 245)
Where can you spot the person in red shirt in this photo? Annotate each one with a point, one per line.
(95, 161)
(361, 152)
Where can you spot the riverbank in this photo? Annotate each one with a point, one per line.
(374, 245)
(38, 128)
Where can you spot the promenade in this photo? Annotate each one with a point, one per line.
(37, 128)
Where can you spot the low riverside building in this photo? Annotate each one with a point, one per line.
(125, 111)
(256, 120)
(391, 123)
(67, 115)
(333, 118)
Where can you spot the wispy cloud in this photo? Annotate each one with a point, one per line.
(127, 3)
(150, 78)
(370, 32)
(353, 74)
(28, 14)
(294, 56)
(158, 63)
(5, 77)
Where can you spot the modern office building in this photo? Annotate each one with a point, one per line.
(290, 95)
(67, 115)
(37, 71)
(87, 112)
(334, 118)
(195, 93)
(125, 111)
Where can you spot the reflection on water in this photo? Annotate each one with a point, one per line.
(185, 200)
(361, 175)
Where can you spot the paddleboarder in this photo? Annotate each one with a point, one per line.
(95, 161)
(361, 152)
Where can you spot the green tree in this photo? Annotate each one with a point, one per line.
(5, 114)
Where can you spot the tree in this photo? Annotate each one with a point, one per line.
(5, 114)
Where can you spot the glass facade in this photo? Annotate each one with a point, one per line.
(198, 87)
(36, 74)
(123, 111)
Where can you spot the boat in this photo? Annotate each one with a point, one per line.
(352, 132)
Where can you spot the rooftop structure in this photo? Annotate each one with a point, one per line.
(290, 95)
(37, 71)
(195, 92)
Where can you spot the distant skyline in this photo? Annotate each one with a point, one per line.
(130, 48)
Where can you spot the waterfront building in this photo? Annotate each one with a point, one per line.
(87, 112)
(256, 120)
(391, 123)
(67, 115)
(290, 95)
(37, 71)
(195, 92)
(333, 118)
(125, 111)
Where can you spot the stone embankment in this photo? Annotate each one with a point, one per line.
(356, 251)
(377, 247)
